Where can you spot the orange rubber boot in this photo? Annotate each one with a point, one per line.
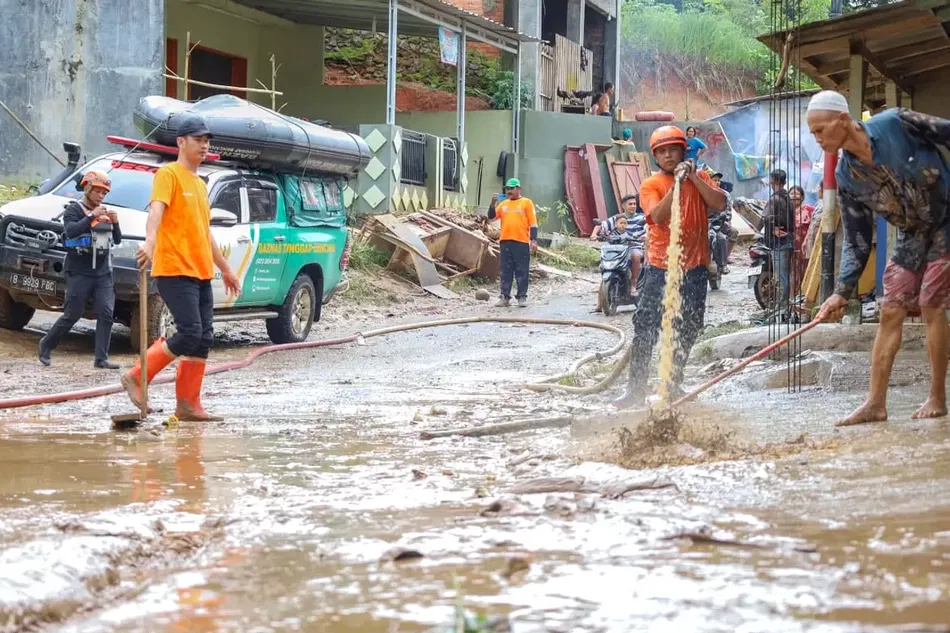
(191, 373)
(157, 358)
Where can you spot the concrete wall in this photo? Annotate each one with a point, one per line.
(72, 70)
(543, 137)
(718, 154)
(488, 133)
(298, 50)
(933, 98)
(541, 162)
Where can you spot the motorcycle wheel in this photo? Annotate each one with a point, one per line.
(765, 289)
(610, 293)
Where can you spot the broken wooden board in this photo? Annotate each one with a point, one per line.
(644, 159)
(625, 177)
(592, 179)
(426, 272)
(468, 249)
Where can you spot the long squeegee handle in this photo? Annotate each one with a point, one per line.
(751, 359)
(143, 338)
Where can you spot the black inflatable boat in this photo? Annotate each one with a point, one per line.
(257, 136)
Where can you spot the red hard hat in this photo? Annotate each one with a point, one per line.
(667, 135)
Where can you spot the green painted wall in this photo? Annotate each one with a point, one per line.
(541, 168)
(488, 133)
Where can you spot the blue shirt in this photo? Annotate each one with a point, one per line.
(693, 145)
(907, 183)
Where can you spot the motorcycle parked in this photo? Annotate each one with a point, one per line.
(761, 279)
(615, 282)
(715, 267)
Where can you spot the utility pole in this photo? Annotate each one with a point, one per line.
(835, 8)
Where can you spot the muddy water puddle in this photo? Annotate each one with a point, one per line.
(853, 539)
(321, 509)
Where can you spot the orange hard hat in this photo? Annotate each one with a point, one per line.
(667, 135)
(96, 179)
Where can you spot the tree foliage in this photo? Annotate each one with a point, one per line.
(717, 39)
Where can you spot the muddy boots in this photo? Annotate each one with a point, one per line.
(157, 358)
(191, 373)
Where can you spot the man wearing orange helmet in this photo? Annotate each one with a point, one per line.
(699, 197)
(90, 232)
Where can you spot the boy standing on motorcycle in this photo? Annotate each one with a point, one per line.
(698, 198)
(636, 230)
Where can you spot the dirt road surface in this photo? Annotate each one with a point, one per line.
(317, 507)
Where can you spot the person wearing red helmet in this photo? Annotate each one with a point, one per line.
(699, 198)
(90, 231)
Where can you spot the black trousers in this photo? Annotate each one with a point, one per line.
(191, 302)
(515, 261)
(79, 289)
(649, 317)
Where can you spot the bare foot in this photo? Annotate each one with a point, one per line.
(865, 414)
(933, 408)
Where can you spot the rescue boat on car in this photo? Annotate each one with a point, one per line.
(257, 136)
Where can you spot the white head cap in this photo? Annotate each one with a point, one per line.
(829, 101)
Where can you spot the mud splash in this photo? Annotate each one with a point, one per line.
(672, 299)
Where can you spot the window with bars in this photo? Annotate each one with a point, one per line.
(450, 165)
(413, 158)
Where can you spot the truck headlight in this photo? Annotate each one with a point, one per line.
(127, 249)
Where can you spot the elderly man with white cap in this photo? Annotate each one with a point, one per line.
(891, 166)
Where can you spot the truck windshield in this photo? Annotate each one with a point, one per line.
(131, 183)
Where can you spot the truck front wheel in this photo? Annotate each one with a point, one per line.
(295, 316)
(13, 314)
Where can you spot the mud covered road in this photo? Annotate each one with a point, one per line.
(318, 507)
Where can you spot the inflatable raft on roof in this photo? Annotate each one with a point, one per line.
(257, 136)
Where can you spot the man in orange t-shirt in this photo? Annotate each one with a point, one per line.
(183, 253)
(699, 197)
(519, 239)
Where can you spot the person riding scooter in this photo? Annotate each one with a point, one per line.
(636, 234)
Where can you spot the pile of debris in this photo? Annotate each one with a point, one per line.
(443, 245)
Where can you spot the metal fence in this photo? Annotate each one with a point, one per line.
(450, 163)
(413, 158)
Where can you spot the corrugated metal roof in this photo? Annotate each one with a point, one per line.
(369, 15)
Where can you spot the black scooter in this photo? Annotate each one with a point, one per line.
(615, 282)
(761, 279)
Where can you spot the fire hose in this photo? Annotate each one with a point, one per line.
(545, 384)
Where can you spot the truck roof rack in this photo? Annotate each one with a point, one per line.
(155, 148)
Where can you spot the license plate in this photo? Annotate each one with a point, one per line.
(32, 284)
(755, 271)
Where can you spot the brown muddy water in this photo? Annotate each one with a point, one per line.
(316, 507)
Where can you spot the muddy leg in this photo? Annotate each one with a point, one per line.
(691, 324)
(646, 330)
(938, 348)
(886, 345)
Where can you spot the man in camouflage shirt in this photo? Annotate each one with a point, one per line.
(890, 165)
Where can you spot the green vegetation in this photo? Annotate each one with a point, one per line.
(367, 258)
(729, 327)
(11, 191)
(709, 43)
(581, 257)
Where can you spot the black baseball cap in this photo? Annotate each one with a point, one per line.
(191, 124)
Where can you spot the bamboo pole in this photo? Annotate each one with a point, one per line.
(193, 82)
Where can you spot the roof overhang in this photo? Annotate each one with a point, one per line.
(905, 43)
(416, 17)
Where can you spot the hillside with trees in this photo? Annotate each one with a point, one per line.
(707, 48)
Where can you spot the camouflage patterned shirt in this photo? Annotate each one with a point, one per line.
(908, 184)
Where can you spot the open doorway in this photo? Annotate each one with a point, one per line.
(216, 67)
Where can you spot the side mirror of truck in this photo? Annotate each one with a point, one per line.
(220, 217)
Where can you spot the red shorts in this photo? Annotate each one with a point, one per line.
(926, 288)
